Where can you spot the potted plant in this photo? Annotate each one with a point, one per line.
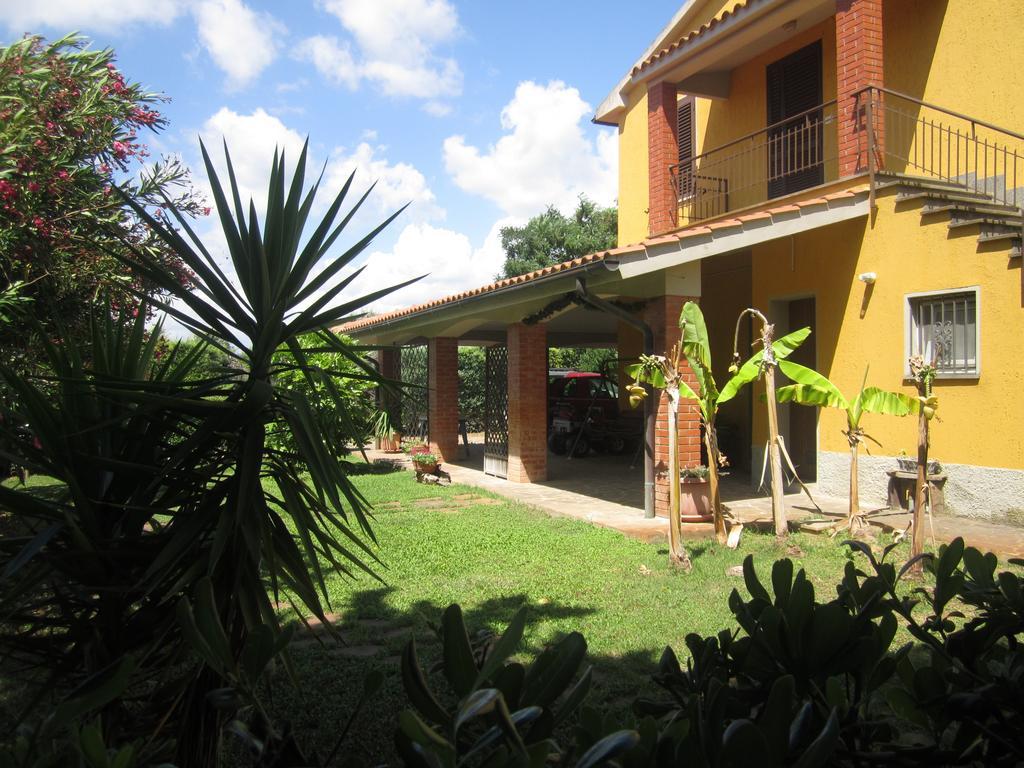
(695, 495)
(425, 462)
(388, 439)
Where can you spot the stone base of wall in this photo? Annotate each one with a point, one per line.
(989, 493)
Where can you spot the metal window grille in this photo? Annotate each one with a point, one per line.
(945, 329)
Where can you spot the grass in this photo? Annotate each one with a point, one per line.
(461, 544)
(491, 555)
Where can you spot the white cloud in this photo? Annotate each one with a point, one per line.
(331, 58)
(545, 156)
(396, 41)
(448, 259)
(251, 139)
(242, 42)
(397, 184)
(106, 15)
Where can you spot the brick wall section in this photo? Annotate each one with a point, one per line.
(527, 403)
(443, 397)
(662, 314)
(859, 63)
(662, 153)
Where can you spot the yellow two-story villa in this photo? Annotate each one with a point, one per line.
(856, 166)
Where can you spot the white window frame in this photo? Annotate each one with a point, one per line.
(908, 329)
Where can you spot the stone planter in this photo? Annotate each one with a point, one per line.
(695, 500)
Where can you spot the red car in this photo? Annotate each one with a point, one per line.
(572, 396)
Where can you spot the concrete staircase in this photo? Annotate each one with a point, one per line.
(997, 226)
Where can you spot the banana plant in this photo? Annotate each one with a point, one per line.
(813, 389)
(925, 405)
(663, 373)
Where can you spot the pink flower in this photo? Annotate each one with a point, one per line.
(206, 211)
(33, 187)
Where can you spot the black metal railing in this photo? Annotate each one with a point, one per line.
(909, 137)
(785, 157)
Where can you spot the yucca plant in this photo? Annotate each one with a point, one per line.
(178, 482)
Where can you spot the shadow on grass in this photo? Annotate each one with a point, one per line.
(376, 467)
(372, 634)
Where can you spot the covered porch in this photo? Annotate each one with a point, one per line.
(628, 299)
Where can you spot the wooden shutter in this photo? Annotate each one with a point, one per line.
(794, 154)
(685, 138)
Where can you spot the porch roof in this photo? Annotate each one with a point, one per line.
(699, 60)
(655, 266)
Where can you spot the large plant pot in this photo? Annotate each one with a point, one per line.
(695, 501)
(391, 444)
(423, 468)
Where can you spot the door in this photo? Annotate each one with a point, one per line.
(802, 442)
(496, 411)
(795, 141)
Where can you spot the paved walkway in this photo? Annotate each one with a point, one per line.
(606, 491)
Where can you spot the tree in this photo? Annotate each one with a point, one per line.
(70, 125)
(159, 564)
(551, 237)
(813, 389)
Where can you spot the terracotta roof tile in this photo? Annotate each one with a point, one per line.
(693, 232)
(815, 201)
(704, 28)
(755, 216)
(725, 224)
(784, 209)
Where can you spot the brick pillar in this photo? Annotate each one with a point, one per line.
(662, 153)
(389, 365)
(662, 314)
(859, 63)
(443, 397)
(527, 403)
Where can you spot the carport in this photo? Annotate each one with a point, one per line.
(600, 300)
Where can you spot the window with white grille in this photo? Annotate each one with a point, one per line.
(943, 328)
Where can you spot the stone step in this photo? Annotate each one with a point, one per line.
(951, 196)
(963, 210)
(919, 182)
(965, 219)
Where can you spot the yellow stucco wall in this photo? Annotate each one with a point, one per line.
(982, 420)
(633, 170)
(963, 55)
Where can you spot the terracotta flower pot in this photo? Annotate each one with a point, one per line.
(426, 469)
(695, 500)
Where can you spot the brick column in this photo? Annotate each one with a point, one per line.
(527, 403)
(389, 365)
(662, 314)
(443, 397)
(662, 152)
(859, 63)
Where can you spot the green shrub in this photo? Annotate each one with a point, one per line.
(798, 681)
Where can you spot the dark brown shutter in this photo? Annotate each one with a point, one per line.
(794, 150)
(685, 138)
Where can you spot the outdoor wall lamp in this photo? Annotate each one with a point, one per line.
(867, 277)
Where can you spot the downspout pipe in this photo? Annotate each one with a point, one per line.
(650, 416)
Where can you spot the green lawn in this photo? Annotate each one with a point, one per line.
(460, 544)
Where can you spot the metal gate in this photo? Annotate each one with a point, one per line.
(496, 412)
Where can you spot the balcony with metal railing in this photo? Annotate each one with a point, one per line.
(900, 136)
(788, 156)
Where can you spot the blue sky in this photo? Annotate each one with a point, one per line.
(478, 113)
